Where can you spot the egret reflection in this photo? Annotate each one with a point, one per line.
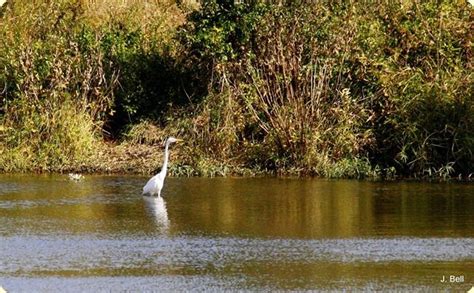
(156, 207)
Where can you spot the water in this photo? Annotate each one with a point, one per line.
(234, 234)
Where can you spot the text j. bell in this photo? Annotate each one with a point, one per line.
(453, 279)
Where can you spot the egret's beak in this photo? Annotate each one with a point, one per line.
(179, 140)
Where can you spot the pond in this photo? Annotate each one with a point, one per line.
(234, 234)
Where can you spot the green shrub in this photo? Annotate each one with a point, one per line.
(278, 94)
(420, 63)
(57, 93)
(313, 87)
(75, 70)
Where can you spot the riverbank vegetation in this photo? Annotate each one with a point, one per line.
(319, 88)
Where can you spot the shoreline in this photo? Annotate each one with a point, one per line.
(128, 159)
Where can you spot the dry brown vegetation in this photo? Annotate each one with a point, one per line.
(330, 89)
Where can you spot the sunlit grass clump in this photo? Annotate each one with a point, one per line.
(57, 141)
(62, 63)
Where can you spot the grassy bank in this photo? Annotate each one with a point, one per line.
(301, 88)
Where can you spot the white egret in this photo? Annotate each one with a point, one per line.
(155, 184)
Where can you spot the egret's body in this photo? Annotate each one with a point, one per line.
(155, 184)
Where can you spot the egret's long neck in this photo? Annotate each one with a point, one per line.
(165, 163)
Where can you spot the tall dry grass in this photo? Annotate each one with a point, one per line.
(336, 89)
(61, 77)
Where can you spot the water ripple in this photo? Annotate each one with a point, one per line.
(24, 255)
